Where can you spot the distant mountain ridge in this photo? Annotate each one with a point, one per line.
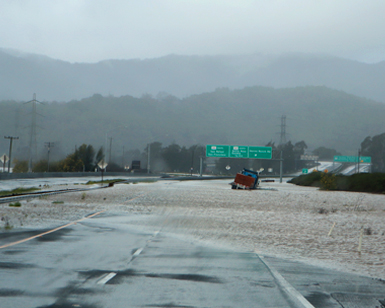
(22, 74)
(251, 116)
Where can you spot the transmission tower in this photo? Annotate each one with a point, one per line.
(32, 152)
(283, 130)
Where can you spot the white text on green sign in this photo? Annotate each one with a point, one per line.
(352, 159)
(260, 152)
(217, 150)
(238, 151)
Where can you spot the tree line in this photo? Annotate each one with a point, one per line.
(177, 158)
(375, 148)
(83, 159)
(171, 158)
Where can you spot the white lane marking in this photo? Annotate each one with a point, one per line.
(287, 287)
(137, 253)
(106, 278)
(156, 233)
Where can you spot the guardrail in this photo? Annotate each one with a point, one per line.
(13, 198)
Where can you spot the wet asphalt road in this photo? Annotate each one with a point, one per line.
(120, 261)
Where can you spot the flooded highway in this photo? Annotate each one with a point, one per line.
(182, 244)
(108, 262)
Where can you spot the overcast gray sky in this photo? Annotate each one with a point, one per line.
(94, 30)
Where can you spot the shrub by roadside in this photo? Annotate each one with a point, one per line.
(311, 179)
(362, 182)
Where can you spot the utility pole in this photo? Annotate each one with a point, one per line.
(109, 158)
(32, 137)
(148, 158)
(10, 150)
(192, 160)
(49, 145)
(280, 168)
(123, 158)
(283, 130)
(282, 141)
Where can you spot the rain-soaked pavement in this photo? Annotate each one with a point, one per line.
(116, 261)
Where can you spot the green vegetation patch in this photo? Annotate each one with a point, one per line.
(57, 202)
(362, 182)
(17, 191)
(367, 182)
(15, 204)
(145, 181)
(311, 179)
(105, 181)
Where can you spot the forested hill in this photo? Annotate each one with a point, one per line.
(55, 80)
(318, 115)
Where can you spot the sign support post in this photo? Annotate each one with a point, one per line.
(4, 160)
(10, 150)
(280, 168)
(102, 165)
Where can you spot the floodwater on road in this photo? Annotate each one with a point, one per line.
(298, 223)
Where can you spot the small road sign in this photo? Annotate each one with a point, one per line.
(305, 171)
(102, 164)
(4, 158)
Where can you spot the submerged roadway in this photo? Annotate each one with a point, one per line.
(110, 259)
(115, 261)
(106, 261)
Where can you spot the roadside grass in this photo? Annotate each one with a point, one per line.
(57, 202)
(121, 180)
(15, 204)
(17, 191)
(144, 181)
(8, 227)
(361, 182)
(105, 181)
(311, 179)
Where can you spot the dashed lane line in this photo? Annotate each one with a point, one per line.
(137, 252)
(106, 278)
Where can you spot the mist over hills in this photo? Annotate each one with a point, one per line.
(21, 75)
(251, 116)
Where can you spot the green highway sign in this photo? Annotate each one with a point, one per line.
(260, 152)
(365, 159)
(217, 150)
(238, 151)
(305, 171)
(352, 159)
